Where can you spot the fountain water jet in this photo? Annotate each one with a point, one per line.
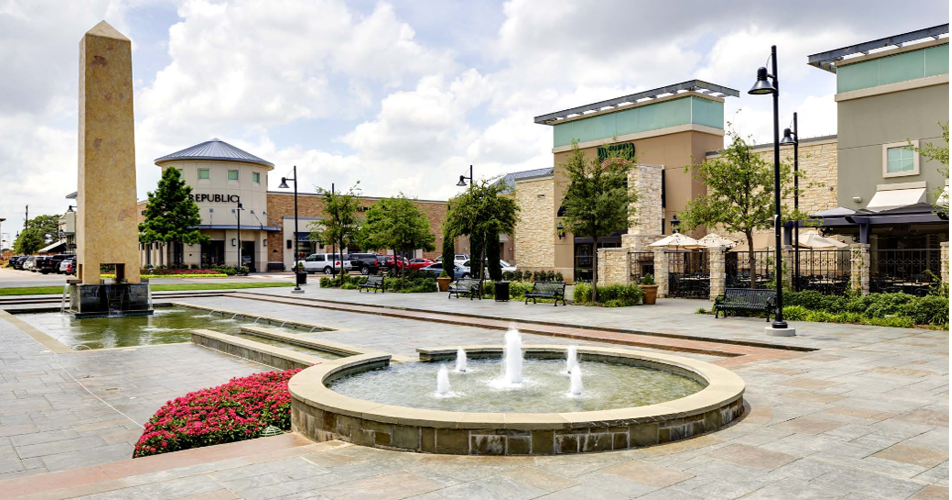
(575, 381)
(512, 357)
(460, 360)
(443, 381)
(571, 359)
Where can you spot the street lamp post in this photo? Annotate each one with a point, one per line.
(462, 183)
(792, 137)
(284, 185)
(762, 87)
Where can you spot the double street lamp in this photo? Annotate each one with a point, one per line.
(284, 185)
(768, 83)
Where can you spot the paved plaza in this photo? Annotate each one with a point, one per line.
(865, 415)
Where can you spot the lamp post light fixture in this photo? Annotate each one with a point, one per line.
(791, 137)
(768, 83)
(284, 185)
(561, 230)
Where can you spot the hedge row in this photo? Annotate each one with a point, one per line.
(608, 296)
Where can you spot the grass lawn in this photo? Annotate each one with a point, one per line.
(158, 287)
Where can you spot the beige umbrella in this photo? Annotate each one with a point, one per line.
(677, 240)
(714, 240)
(812, 239)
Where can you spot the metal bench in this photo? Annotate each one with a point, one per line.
(745, 299)
(547, 290)
(373, 282)
(466, 286)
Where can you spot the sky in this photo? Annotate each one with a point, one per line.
(400, 96)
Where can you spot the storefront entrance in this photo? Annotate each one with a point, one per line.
(213, 254)
(248, 255)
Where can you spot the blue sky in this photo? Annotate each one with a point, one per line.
(401, 96)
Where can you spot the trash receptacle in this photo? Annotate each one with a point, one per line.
(301, 279)
(501, 291)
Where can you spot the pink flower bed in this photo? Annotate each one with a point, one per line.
(235, 411)
(180, 271)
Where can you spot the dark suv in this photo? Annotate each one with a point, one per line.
(366, 263)
(44, 264)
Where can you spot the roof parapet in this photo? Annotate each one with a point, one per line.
(827, 60)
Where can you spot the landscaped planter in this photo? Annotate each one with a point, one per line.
(651, 293)
(444, 283)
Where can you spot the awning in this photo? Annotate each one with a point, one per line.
(503, 238)
(51, 247)
(303, 235)
(885, 200)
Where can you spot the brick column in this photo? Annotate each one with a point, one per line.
(859, 268)
(945, 261)
(614, 266)
(788, 266)
(718, 270)
(661, 271)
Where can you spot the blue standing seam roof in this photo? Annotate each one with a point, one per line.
(511, 178)
(215, 149)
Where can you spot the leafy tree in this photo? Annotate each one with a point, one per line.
(449, 255)
(397, 223)
(29, 241)
(171, 216)
(481, 212)
(941, 155)
(46, 225)
(739, 195)
(598, 200)
(341, 223)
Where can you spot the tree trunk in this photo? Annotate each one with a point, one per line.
(753, 259)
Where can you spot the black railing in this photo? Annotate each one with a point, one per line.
(642, 263)
(742, 267)
(824, 271)
(688, 274)
(911, 270)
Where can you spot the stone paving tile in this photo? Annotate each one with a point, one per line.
(660, 477)
(395, 485)
(915, 455)
(931, 493)
(751, 456)
(539, 479)
(496, 487)
(581, 492)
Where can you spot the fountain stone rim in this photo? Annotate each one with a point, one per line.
(313, 403)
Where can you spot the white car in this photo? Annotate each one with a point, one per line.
(507, 267)
(327, 263)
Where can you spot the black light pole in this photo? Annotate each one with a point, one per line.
(238, 211)
(284, 185)
(763, 87)
(791, 137)
(462, 183)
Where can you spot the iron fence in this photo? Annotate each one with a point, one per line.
(688, 274)
(743, 267)
(824, 271)
(911, 270)
(642, 263)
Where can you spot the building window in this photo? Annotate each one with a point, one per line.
(233, 175)
(899, 160)
(255, 177)
(203, 173)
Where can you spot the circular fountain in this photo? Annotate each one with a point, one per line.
(514, 399)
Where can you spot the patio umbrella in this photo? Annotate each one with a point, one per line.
(714, 240)
(677, 240)
(811, 239)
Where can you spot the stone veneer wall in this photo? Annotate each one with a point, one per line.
(646, 181)
(717, 267)
(945, 261)
(859, 268)
(614, 266)
(661, 271)
(535, 231)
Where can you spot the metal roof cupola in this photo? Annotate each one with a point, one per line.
(215, 149)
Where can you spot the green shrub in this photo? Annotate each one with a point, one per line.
(518, 289)
(648, 279)
(618, 295)
(558, 276)
(795, 313)
(888, 304)
(582, 293)
(930, 310)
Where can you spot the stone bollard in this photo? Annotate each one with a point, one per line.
(945, 261)
(717, 268)
(859, 268)
(614, 266)
(661, 271)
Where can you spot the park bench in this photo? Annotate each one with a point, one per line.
(547, 290)
(745, 299)
(373, 282)
(467, 286)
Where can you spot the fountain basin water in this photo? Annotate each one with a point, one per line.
(323, 414)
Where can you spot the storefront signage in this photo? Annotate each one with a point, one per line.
(626, 151)
(214, 198)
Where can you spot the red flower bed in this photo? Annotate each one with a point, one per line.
(235, 411)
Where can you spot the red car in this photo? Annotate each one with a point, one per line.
(389, 262)
(420, 263)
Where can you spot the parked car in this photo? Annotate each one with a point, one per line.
(391, 261)
(68, 266)
(459, 272)
(44, 264)
(366, 263)
(420, 263)
(326, 263)
(503, 264)
(18, 261)
(27, 264)
(58, 259)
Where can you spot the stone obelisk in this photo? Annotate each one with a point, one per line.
(106, 223)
